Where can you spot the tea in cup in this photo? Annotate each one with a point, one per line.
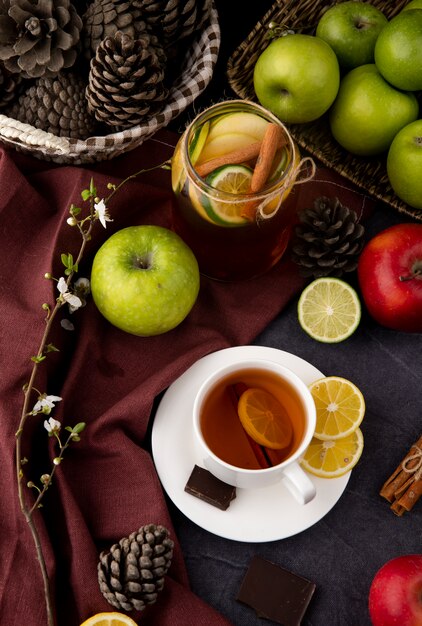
(246, 442)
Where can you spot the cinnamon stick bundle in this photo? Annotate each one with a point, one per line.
(404, 487)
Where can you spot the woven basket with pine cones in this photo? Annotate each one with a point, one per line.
(137, 81)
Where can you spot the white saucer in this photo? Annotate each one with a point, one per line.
(255, 515)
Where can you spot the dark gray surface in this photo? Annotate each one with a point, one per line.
(342, 552)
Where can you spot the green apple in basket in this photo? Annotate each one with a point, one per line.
(351, 28)
(297, 77)
(413, 4)
(145, 280)
(368, 112)
(404, 164)
(398, 50)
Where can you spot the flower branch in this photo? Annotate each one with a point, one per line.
(71, 293)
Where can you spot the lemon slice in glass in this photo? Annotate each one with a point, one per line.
(329, 310)
(231, 180)
(340, 407)
(334, 457)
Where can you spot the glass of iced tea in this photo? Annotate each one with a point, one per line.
(232, 173)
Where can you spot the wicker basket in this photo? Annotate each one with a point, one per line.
(369, 174)
(196, 72)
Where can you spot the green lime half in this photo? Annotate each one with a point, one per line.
(329, 310)
(233, 180)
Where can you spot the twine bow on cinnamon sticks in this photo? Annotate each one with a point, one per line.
(404, 487)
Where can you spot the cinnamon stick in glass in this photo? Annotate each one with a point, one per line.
(272, 140)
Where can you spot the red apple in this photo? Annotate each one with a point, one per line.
(390, 277)
(395, 595)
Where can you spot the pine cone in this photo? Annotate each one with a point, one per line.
(104, 18)
(328, 240)
(38, 38)
(126, 80)
(132, 573)
(174, 20)
(9, 87)
(56, 105)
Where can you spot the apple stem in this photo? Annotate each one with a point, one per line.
(417, 273)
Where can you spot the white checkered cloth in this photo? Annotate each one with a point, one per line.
(196, 73)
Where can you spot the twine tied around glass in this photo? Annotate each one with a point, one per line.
(263, 201)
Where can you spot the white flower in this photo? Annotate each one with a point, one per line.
(81, 289)
(45, 404)
(52, 426)
(101, 212)
(73, 301)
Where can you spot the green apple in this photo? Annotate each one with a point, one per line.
(144, 280)
(368, 111)
(297, 77)
(351, 29)
(404, 164)
(413, 4)
(398, 50)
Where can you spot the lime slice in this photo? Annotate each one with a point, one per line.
(329, 310)
(232, 180)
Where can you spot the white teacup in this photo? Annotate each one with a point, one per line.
(299, 404)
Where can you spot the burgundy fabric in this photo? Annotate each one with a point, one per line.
(107, 486)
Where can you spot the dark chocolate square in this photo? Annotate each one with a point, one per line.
(208, 488)
(275, 593)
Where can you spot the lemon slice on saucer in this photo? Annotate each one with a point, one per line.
(340, 407)
(334, 457)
